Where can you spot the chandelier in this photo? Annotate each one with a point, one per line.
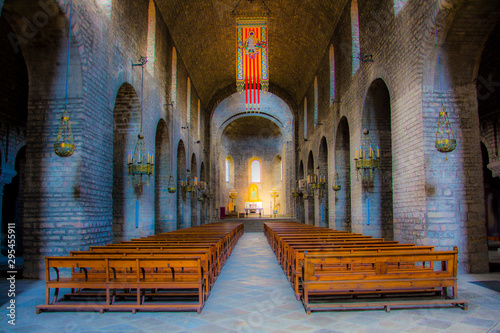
(316, 181)
(65, 142)
(140, 163)
(367, 159)
(202, 187)
(190, 184)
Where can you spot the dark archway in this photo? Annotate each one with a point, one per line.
(162, 174)
(378, 195)
(194, 195)
(205, 202)
(13, 207)
(491, 198)
(324, 220)
(310, 219)
(14, 88)
(126, 128)
(343, 168)
(489, 124)
(301, 216)
(181, 175)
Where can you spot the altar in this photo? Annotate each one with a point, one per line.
(254, 207)
(253, 204)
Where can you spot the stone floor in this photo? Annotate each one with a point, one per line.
(253, 295)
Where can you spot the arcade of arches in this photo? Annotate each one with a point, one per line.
(321, 97)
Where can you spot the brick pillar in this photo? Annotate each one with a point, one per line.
(455, 196)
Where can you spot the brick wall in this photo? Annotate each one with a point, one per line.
(432, 201)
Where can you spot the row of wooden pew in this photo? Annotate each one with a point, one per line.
(172, 271)
(330, 269)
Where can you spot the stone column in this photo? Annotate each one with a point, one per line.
(317, 207)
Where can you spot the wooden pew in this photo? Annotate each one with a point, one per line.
(183, 263)
(165, 275)
(204, 255)
(299, 254)
(380, 275)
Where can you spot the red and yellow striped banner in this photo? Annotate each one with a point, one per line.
(252, 72)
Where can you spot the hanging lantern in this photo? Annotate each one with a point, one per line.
(445, 136)
(171, 185)
(336, 183)
(65, 142)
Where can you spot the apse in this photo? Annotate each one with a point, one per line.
(252, 145)
(253, 153)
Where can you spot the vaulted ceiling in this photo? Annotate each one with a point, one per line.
(204, 32)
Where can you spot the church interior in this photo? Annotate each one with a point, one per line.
(128, 119)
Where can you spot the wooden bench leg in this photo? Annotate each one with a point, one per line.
(47, 295)
(56, 296)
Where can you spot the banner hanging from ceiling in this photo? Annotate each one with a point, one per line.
(252, 74)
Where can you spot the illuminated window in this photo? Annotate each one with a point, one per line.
(256, 171)
(281, 170)
(398, 5)
(151, 37)
(356, 47)
(173, 91)
(227, 170)
(106, 5)
(305, 117)
(316, 108)
(332, 73)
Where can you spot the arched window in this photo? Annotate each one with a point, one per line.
(398, 5)
(281, 170)
(173, 88)
(305, 117)
(227, 170)
(256, 171)
(332, 73)
(316, 108)
(106, 6)
(188, 103)
(151, 37)
(356, 46)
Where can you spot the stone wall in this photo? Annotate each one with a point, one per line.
(69, 203)
(434, 201)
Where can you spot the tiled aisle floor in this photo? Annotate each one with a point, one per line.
(253, 295)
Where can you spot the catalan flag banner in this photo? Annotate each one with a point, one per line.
(252, 71)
